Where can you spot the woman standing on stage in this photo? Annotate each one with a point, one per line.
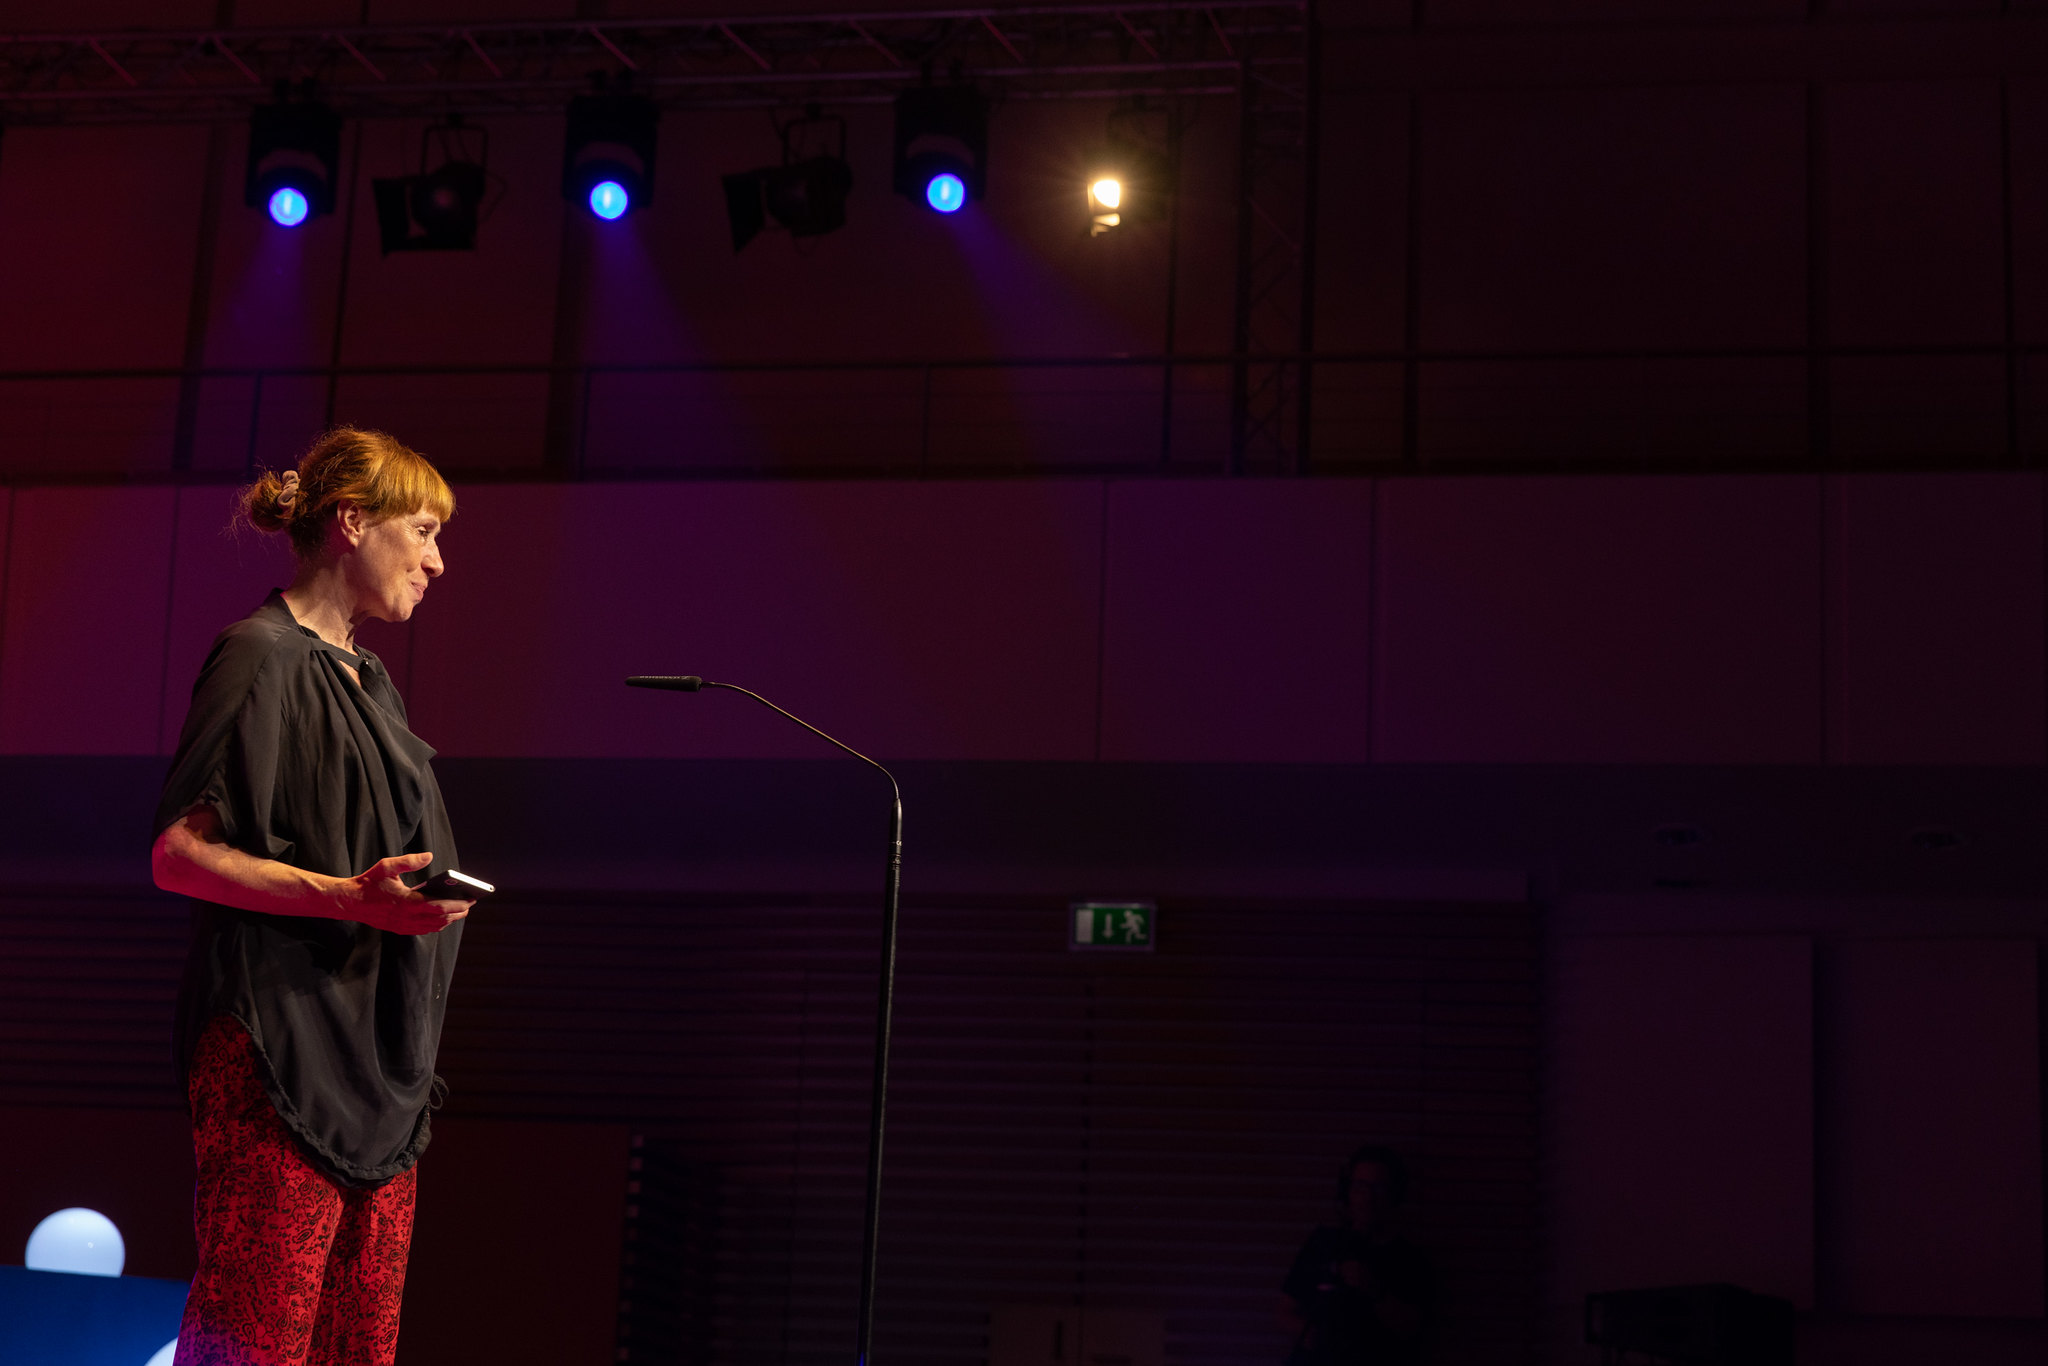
(298, 806)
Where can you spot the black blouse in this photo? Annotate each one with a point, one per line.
(308, 768)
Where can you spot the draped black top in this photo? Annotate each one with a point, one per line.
(306, 767)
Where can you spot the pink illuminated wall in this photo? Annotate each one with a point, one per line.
(1779, 620)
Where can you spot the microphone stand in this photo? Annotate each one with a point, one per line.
(892, 883)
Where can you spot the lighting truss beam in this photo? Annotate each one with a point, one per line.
(1037, 52)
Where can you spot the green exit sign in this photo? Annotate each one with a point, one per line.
(1128, 926)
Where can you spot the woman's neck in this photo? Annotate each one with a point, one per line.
(323, 604)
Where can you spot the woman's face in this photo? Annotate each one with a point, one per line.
(392, 563)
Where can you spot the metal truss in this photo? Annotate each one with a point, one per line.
(1272, 382)
(1090, 51)
(1261, 52)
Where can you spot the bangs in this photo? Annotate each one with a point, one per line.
(407, 484)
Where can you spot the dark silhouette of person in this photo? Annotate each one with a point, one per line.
(1360, 1294)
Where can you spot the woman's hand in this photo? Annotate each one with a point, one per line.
(380, 899)
(192, 857)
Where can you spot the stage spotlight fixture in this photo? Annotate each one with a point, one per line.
(438, 209)
(608, 158)
(941, 145)
(1104, 197)
(288, 207)
(945, 192)
(806, 194)
(1131, 179)
(294, 159)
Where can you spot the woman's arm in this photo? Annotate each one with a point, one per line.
(193, 858)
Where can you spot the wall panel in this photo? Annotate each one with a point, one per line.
(1612, 217)
(1045, 417)
(1237, 621)
(705, 421)
(82, 658)
(1913, 203)
(1623, 620)
(918, 620)
(532, 1281)
(484, 423)
(65, 428)
(1930, 1137)
(99, 293)
(1358, 417)
(1681, 1114)
(1642, 413)
(1361, 287)
(220, 571)
(1937, 609)
(2028, 111)
(1917, 412)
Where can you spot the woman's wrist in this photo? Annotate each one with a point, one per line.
(330, 897)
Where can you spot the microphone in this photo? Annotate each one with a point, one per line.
(668, 682)
(885, 1004)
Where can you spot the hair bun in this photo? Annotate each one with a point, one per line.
(269, 503)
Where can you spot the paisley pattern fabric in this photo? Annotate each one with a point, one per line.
(294, 1270)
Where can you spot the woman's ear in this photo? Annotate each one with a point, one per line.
(352, 523)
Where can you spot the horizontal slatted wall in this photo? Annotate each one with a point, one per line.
(1145, 1131)
(88, 985)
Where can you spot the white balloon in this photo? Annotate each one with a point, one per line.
(163, 1354)
(80, 1240)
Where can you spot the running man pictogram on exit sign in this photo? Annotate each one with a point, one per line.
(1127, 925)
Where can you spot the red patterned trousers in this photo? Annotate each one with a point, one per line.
(294, 1270)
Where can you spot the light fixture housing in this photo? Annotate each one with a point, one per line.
(438, 209)
(294, 158)
(806, 194)
(610, 141)
(941, 131)
(1130, 179)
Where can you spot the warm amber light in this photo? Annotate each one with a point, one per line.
(1108, 192)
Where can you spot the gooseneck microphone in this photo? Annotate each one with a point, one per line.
(892, 885)
(677, 683)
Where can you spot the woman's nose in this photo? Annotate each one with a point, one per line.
(431, 562)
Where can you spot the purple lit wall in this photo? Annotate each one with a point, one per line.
(1734, 620)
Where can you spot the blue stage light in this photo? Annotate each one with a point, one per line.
(945, 192)
(288, 207)
(608, 199)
